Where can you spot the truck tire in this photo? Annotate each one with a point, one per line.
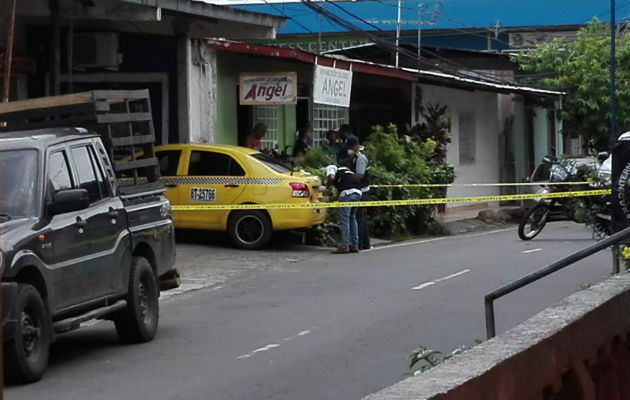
(250, 229)
(138, 322)
(26, 355)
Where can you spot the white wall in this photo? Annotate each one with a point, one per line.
(197, 106)
(486, 167)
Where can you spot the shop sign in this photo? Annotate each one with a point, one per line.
(332, 86)
(268, 88)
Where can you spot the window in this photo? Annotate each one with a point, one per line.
(271, 163)
(467, 138)
(269, 116)
(326, 118)
(58, 172)
(100, 177)
(211, 163)
(168, 161)
(85, 172)
(18, 183)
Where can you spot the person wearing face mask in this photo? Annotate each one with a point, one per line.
(359, 164)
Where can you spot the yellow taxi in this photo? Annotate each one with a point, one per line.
(196, 174)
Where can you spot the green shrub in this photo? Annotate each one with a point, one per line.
(394, 160)
(399, 161)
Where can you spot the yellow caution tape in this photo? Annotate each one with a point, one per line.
(478, 184)
(388, 203)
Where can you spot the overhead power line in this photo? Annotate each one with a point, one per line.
(453, 69)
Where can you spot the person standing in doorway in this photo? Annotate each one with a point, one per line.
(331, 148)
(349, 189)
(253, 139)
(359, 164)
(302, 142)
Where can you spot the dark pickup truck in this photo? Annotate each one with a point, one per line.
(75, 245)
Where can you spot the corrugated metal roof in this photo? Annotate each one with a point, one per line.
(423, 76)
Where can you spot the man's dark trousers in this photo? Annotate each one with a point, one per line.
(364, 234)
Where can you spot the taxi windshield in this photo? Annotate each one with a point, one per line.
(18, 183)
(271, 163)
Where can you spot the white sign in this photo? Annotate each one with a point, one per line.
(268, 88)
(332, 86)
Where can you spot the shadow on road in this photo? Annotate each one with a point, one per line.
(282, 240)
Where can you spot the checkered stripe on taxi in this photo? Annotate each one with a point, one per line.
(221, 180)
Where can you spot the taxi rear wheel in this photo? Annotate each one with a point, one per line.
(250, 229)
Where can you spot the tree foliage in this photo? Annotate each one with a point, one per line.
(580, 67)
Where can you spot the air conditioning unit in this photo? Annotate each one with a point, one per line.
(95, 49)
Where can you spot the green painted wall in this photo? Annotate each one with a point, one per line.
(227, 102)
(229, 67)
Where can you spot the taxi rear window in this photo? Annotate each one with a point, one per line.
(271, 163)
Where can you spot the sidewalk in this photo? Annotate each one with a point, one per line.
(463, 220)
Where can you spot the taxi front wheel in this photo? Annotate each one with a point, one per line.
(250, 229)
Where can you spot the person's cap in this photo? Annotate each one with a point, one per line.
(331, 170)
(352, 141)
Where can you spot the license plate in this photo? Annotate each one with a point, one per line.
(203, 195)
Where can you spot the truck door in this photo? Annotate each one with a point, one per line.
(65, 236)
(104, 224)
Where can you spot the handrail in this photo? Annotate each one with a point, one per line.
(542, 272)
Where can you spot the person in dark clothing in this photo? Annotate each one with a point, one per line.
(331, 147)
(344, 132)
(359, 164)
(349, 189)
(301, 144)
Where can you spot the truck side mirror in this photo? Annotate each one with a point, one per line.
(602, 156)
(69, 200)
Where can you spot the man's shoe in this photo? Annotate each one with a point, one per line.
(354, 249)
(340, 250)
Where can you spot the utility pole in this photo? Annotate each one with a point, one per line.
(399, 22)
(612, 135)
(419, 35)
(398, 31)
(8, 53)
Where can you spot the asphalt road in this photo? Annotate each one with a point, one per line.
(291, 323)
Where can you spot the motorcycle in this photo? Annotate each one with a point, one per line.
(592, 210)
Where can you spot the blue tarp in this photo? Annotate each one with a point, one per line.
(450, 14)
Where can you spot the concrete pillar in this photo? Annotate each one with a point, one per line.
(541, 134)
(558, 132)
(518, 136)
(183, 93)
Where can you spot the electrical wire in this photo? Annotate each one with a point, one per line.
(455, 67)
(288, 17)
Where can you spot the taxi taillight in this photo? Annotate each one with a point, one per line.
(299, 190)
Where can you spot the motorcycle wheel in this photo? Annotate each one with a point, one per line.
(533, 221)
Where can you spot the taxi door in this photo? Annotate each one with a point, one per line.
(212, 177)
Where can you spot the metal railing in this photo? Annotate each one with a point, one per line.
(549, 269)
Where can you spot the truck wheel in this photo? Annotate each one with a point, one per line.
(250, 229)
(139, 320)
(26, 355)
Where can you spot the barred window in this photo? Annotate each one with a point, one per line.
(326, 118)
(269, 116)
